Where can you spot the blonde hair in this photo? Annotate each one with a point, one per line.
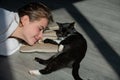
(35, 11)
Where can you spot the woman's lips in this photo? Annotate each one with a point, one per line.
(36, 39)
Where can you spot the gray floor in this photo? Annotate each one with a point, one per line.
(97, 20)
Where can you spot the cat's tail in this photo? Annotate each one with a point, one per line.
(75, 70)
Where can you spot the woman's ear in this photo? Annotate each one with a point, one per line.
(24, 20)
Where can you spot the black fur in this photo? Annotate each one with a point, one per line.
(74, 50)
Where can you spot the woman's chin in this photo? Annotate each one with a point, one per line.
(31, 43)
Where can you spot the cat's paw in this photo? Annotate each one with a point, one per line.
(61, 48)
(34, 72)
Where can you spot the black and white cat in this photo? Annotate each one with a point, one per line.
(73, 50)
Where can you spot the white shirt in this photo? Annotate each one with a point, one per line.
(8, 23)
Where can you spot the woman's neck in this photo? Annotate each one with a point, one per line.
(18, 33)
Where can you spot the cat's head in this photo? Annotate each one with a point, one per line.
(65, 29)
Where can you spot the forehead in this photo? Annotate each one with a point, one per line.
(43, 22)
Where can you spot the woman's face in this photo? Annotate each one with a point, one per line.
(33, 31)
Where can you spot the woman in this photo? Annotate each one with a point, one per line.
(27, 24)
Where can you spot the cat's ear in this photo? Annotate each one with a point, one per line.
(73, 23)
(57, 23)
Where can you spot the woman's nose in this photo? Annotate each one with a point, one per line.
(40, 35)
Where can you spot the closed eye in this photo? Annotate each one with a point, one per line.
(41, 28)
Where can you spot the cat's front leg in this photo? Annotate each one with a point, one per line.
(50, 41)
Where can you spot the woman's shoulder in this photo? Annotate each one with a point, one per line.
(8, 23)
(6, 18)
